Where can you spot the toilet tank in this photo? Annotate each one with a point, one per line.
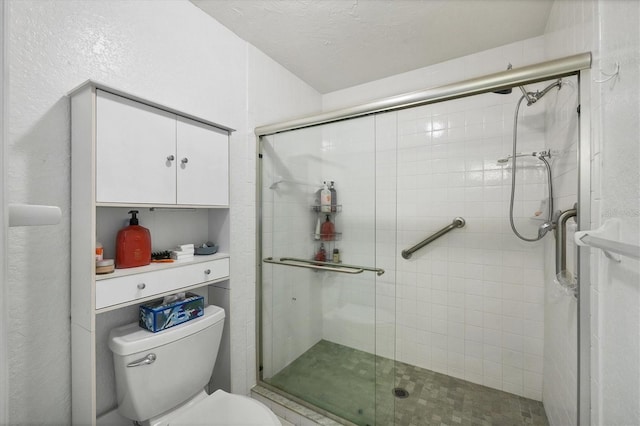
(173, 364)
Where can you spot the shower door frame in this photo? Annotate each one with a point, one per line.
(578, 65)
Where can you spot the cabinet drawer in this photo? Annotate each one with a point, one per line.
(128, 288)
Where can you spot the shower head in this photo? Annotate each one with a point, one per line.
(533, 97)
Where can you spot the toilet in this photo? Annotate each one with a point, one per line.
(160, 377)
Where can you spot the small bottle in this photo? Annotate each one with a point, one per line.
(336, 255)
(321, 255)
(334, 197)
(325, 199)
(327, 230)
(316, 235)
(99, 252)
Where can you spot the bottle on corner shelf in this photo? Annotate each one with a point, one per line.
(336, 256)
(325, 199)
(321, 255)
(328, 230)
(334, 197)
(316, 235)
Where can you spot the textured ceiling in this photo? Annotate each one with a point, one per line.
(334, 44)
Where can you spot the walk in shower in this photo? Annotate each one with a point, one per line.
(419, 305)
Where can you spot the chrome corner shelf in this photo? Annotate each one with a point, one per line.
(327, 238)
(334, 209)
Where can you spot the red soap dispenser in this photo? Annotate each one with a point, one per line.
(133, 244)
(328, 230)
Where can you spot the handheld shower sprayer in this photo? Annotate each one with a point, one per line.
(538, 154)
(549, 224)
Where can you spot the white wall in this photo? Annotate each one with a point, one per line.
(615, 304)
(4, 365)
(199, 67)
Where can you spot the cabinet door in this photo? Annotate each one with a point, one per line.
(203, 164)
(135, 152)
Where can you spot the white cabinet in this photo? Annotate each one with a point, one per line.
(146, 155)
(128, 153)
(202, 161)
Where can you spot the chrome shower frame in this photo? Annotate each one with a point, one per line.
(578, 65)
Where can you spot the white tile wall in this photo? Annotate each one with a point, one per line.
(470, 304)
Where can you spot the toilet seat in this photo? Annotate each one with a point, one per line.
(224, 409)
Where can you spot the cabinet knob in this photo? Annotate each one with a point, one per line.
(185, 160)
(207, 271)
(142, 286)
(171, 158)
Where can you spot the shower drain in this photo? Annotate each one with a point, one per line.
(400, 393)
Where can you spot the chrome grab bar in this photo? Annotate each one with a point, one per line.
(325, 266)
(458, 222)
(563, 276)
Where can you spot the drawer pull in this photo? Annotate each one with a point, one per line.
(141, 286)
(207, 271)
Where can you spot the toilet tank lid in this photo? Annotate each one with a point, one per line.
(131, 338)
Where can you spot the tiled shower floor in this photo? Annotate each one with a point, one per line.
(342, 380)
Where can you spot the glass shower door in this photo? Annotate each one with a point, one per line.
(320, 275)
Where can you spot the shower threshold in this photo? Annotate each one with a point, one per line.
(358, 387)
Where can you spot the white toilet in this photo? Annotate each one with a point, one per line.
(160, 377)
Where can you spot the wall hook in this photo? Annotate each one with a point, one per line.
(609, 76)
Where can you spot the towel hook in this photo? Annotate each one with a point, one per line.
(609, 76)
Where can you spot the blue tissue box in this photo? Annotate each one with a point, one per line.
(156, 316)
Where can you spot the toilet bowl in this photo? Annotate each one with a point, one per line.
(161, 377)
(219, 409)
